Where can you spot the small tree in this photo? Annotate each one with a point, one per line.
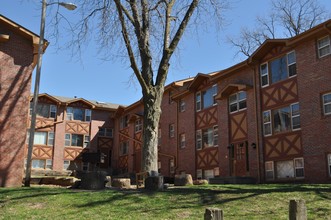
(148, 32)
(288, 18)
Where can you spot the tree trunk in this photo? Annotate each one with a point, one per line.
(152, 111)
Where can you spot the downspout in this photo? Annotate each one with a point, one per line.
(255, 81)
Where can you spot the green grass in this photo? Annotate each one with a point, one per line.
(236, 201)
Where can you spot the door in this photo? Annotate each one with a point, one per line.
(239, 159)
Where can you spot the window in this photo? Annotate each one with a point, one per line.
(282, 120)
(267, 123)
(85, 166)
(42, 138)
(329, 164)
(264, 74)
(86, 140)
(66, 164)
(299, 167)
(124, 122)
(198, 101)
(208, 136)
(124, 148)
(237, 101)
(182, 105)
(138, 125)
(327, 104)
(291, 64)
(76, 140)
(182, 141)
(50, 140)
(323, 45)
(206, 98)
(171, 130)
(45, 110)
(105, 132)
(269, 170)
(42, 164)
(38, 164)
(198, 137)
(215, 135)
(280, 69)
(78, 114)
(49, 164)
(295, 116)
(88, 114)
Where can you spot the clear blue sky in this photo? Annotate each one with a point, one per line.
(92, 78)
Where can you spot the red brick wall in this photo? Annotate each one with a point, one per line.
(16, 57)
(314, 79)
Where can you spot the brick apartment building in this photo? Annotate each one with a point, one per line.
(18, 57)
(267, 118)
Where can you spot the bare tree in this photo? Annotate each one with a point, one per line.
(148, 32)
(287, 18)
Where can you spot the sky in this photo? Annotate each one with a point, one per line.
(92, 78)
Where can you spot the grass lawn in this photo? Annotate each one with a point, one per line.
(236, 201)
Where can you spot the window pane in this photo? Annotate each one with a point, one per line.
(40, 138)
(282, 119)
(266, 117)
(76, 140)
(67, 140)
(267, 129)
(324, 51)
(327, 98)
(296, 122)
(38, 164)
(278, 69)
(78, 114)
(241, 96)
(208, 137)
(242, 104)
(323, 42)
(50, 139)
(42, 110)
(295, 109)
(53, 111)
(233, 107)
(292, 70)
(88, 113)
(264, 80)
(291, 58)
(233, 99)
(207, 98)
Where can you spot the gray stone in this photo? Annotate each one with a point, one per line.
(93, 180)
(297, 210)
(200, 182)
(213, 214)
(154, 183)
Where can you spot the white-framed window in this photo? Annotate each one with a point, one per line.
(38, 164)
(267, 123)
(323, 45)
(269, 170)
(86, 141)
(88, 114)
(199, 174)
(171, 130)
(326, 98)
(215, 135)
(77, 140)
(182, 105)
(66, 164)
(291, 64)
(124, 148)
(329, 164)
(170, 101)
(78, 114)
(49, 164)
(50, 139)
(105, 132)
(138, 126)
(53, 110)
(264, 74)
(42, 138)
(198, 101)
(237, 101)
(214, 89)
(182, 141)
(299, 168)
(172, 166)
(198, 137)
(295, 116)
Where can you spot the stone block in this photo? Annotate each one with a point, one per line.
(123, 183)
(183, 180)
